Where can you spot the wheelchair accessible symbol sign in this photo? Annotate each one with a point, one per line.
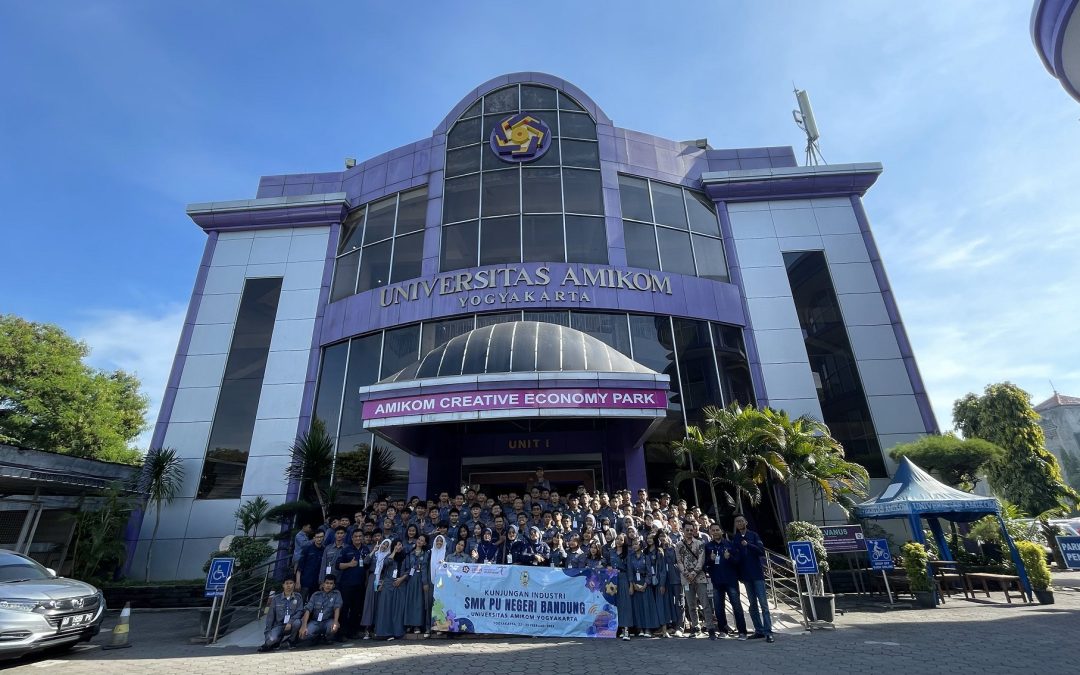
(802, 553)
(220, 571)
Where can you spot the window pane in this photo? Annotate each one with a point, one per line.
(374, 267)
(675, 255)
(551, 157)
(436, 333)
(610, 329)
(581, 191)
(537, 98)
(541, 190)
(634, 197)
(710, 258)
(463, 160)
(577, 125)
(473, 110)
(581, 153)
(459, 245)
(363, 370)
(412, 211)
(462, 199)
(345, 276)
(500, 240)
(331, 379)
(501, 193)
(560, 317)
(668, 204)
(408, 254)
(702, 216)
(493, 319)
(734, 370)
(654, 348)
(399, 349)
(542, 238)
(567, 103)
(697, 367)
(465, 132)
(503, 100)
(586, 239)
(352, 231)
(640, 245)
(380, 221)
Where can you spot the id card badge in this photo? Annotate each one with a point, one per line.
(393, 574)
(412, 572)
(716, 557)
(286, 618)
(360, 561)
(319, 617)
(637, 576)
(329, 569)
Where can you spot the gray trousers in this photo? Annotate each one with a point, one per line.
(277, 634)
(695, 594)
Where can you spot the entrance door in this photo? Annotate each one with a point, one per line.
(496, 475)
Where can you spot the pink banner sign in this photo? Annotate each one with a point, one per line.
(513, 399)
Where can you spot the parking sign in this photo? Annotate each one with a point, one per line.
(220, 571)
(1070, 550)
(802, 554)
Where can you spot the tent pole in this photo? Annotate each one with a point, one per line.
(939, 536)
(1021, 571)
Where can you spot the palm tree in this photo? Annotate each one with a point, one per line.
(313, 461)
(160, 481)
(732, 451)
(812, 454)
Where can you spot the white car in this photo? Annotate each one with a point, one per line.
(39, 610)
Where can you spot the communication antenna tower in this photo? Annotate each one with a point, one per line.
(804, 119)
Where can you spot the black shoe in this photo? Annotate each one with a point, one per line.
(692, 634)
(769, 638)
(263, 649)
(757, 636)
(712, 635)
(731, 631)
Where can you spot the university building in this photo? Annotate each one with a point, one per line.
(530, 285)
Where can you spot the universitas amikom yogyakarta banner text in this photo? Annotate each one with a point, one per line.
(516, 600)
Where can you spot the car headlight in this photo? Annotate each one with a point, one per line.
(19, 604)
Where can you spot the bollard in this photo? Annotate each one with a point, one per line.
(122, 633)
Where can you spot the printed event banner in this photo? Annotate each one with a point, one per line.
(516, 600)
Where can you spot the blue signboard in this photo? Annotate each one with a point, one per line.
(802, 554)
(220, 571)
(880, 557)
(1070, 550)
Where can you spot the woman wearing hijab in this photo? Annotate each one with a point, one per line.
(488, 552)
(618, 559)
(417, 564)
(435, 561)
(390, 610)
(377, 558)
(641, 596)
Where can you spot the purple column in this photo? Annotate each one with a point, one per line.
(418, 476)
(635, 469)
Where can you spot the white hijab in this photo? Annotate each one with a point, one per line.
(438, 555)
(380, 556)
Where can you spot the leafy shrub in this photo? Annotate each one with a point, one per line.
(1034, 558)
(248, 551)
(915, 559)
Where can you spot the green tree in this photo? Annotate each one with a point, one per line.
(812, 455)
(368, 467)
(51, 400)
(312, 462)
(959, 462)
(98, 543)
(1028, 474)
(251, 514)
(160, 481)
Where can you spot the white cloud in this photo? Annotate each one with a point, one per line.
(142, 343)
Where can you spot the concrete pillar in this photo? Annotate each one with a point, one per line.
(635, 469)
(418, 477)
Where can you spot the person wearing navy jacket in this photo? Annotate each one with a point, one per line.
(722, 563)
(309, 567)
(751, 550)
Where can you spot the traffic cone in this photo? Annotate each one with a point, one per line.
(122, 633)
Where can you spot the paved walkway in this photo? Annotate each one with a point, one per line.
(963, 636)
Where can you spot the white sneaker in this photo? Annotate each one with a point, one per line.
(626, 636)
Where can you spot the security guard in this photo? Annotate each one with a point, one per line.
(322, 615)
(283, 619)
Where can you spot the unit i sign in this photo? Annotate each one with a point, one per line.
(844, 539)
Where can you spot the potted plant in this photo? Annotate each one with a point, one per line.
(824, 607)
(915, 559)
(1034, 559)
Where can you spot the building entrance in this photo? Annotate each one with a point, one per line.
(500, 475)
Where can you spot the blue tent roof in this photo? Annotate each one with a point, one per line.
(915, 492)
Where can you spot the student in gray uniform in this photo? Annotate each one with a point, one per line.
(575, 557)
(283, 619)
(332, 553)
(322, 614)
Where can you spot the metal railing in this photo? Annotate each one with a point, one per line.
(782, 579)
(244, 598)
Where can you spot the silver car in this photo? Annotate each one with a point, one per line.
(39, 610)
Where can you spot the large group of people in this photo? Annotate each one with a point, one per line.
(371, 575)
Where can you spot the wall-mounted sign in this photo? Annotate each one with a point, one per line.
(516, 399)
(520, 138)
(510, 284)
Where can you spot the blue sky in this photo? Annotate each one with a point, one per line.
(114, 116)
